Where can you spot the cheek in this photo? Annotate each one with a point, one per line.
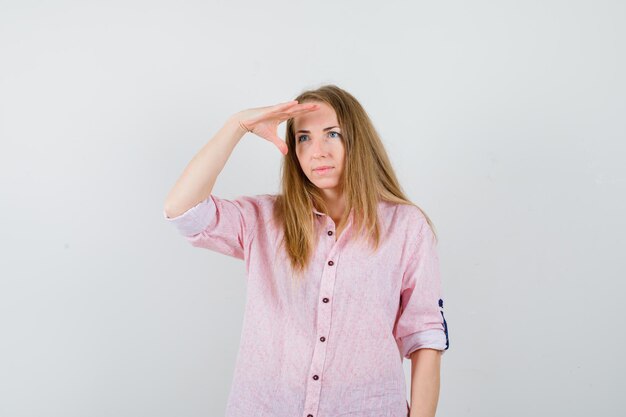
(303, 166)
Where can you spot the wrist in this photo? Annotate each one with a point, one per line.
(236, 124)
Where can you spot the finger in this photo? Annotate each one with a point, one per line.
(285, 105)
(280, 144)
(307, 108)
(290, 105)
(291, 113)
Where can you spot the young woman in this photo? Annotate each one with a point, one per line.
(342, 269)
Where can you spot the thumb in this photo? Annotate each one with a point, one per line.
(280, 144)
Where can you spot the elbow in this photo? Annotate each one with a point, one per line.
(171, 210)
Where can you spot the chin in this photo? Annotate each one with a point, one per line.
(325, 186)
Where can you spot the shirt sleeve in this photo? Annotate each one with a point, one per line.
(219, 224)
(420, 322)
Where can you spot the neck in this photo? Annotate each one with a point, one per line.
(336, 204)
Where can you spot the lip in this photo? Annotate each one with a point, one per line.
(322, 167)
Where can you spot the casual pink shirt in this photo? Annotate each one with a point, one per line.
(332, 346)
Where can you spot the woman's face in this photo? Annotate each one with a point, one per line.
(319, 143)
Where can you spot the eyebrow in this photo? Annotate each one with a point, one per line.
(308, 131)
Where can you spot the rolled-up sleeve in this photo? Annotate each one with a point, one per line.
(219, 224)
(420, 322)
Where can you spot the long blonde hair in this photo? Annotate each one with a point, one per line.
(367, 178)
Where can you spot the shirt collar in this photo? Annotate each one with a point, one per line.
(319, 213)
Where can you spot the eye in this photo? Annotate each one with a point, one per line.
(331, 132)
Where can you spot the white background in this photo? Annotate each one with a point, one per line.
(504, 121)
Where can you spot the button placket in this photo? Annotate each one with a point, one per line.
(311, 402)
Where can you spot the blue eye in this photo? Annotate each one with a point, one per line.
(336, 133)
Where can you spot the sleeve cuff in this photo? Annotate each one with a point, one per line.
(432, 338)
(194, 220)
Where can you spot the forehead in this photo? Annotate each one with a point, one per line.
(324, 115)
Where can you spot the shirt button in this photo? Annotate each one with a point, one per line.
(323, 339)
(315, 377)
(331, 263)
(330, 233)
(325, 299)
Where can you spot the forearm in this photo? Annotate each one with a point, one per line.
(425, 382)
(197, 180)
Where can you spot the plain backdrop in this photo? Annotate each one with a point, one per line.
(504, 120)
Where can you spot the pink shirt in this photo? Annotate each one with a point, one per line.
(334, 345)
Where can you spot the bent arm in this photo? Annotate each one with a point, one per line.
(197, 180)
(425, 382)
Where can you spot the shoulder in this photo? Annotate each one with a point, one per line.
(266, 201)
(257, 200)
(248, 206)
(407, 213)
(262, 205)
(405, 218)
(262, 199)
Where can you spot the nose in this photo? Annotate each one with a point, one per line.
(319, 148)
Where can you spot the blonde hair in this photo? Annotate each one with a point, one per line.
(367, 177)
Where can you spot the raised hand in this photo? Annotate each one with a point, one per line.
(264, 121)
